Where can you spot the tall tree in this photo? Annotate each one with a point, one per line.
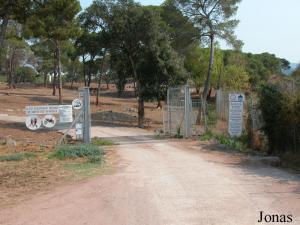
(17, 10)
(55, 21)
(95, 22)
(214, 20)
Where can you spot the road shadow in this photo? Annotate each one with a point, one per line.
(253, 165)
(110, 118)
(49, 100)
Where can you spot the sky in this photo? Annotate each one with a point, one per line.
(265, 26)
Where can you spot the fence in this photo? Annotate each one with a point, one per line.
(181, 112)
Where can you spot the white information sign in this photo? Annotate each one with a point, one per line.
(78, 128)
(236, 109)
(33, 122)
(45, 109)
(77, 104)
(65, 114)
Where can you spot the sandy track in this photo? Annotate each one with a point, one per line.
(164, 183)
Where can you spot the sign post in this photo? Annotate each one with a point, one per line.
(85, 92)
(236, 109)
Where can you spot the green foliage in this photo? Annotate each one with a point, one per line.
(236, 78)
(182, 33)
(25, 74)
(12, 157)
(207, 136)
(17, 156)
(91, 152)
(197, 62)
(280, 112)
(296, 73)
(259, 67)
(237, 144)
(102, 142)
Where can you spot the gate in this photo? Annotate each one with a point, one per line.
(181, 112)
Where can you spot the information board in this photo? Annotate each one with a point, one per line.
(65, 114)
(236, 109)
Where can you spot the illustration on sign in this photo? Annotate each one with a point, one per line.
(236, 108)
(49, 121)
(77, 104)
(33, 122)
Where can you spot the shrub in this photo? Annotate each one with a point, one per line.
(208, 135)
(92, 152)
(281, 117)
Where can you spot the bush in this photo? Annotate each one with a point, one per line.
(281, 117)
(232, 143)
(26, 74)
(208, 135)
(92, 152)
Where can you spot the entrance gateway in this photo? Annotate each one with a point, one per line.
(64, 117)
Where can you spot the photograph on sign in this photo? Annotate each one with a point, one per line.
(49, 121)
(33, 122)
(77, 104)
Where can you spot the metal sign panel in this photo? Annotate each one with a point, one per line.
(236, 109)
(65, 114)
(45, 109)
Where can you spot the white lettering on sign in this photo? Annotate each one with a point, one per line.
(236, 109)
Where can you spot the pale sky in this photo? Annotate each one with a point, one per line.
(265, 26)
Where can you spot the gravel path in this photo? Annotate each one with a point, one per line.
(161, 182)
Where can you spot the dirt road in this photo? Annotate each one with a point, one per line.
(159, 182)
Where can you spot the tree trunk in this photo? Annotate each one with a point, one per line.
(89, 77)
(54, 73)
(83, 64)
(60, 99)
(208, 79)
(45, 80)
(99, 81)
(141, 110)
(219, 81)
(3, 30)
(159, 104)
(73, 78)
(134, 87)
(11, 76)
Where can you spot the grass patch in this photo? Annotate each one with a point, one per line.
(91, 152)
(83, 170)
(102, 142)
(207, 136)
(237, 144)
(17, 156)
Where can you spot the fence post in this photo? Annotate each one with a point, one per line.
(187, 111)
(86, 116)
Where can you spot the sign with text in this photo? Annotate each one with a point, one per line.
(45, 109)
(65, 114)
(236, 109)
